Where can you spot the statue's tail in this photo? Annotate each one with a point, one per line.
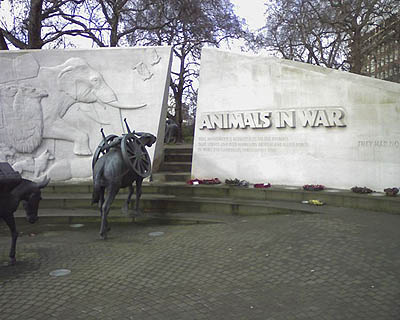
(95, 195)
(97, 176)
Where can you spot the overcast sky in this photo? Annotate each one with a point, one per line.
(252, 11)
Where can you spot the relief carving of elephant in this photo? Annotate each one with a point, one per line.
(72, 82)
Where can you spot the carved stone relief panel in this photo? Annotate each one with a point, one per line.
(53, 104)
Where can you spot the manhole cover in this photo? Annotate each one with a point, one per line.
(76, 225)
(156, 234)
(332, 190)
(60, 272)
(377, 194)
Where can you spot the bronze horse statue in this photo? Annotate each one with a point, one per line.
(111, 172)
(29, 193)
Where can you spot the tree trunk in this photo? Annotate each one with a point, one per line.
(179, 118)
(114, 31)
(3, 43)
(356, 56)
(178, 90)
(35, 25)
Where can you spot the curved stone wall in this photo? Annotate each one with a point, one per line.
(266, 119)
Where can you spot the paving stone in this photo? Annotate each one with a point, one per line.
(341, 265)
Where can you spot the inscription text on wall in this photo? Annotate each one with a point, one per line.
(312, 117)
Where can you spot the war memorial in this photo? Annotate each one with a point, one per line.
(76, 126)
(293, 123)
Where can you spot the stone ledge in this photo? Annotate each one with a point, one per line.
(333, 197)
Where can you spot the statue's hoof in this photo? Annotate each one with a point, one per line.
(133, 214)
(137, 213)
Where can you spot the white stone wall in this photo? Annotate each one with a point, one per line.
(265, 119)
(54, 102)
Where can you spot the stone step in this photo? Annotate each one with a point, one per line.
(181, 157)
(75, 216)
(178, 149)
(176, 167)
(338, 198)
(171, 176)
(158, 203)
(334, 197)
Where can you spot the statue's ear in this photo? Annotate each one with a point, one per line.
(67, 82)
(151, 140)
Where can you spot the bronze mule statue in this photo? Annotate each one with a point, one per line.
(118, 163)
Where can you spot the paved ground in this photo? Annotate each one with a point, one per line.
(339, 265)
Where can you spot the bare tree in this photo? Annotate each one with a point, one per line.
(39, 23)
(326, 32)
(33, 24)
(191, 25)
(356, 18)
(108, 23)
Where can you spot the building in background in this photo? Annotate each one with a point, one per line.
(383, 59)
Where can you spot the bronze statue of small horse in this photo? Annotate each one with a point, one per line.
(30, 194)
